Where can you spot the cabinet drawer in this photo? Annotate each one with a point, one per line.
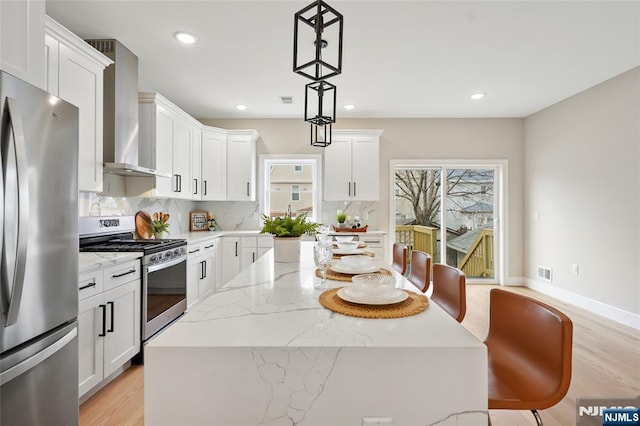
(120, 274)
(195, 250)
(90, 284)
(373, 241)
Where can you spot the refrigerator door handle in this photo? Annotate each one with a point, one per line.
(17, 283)
(36, 359)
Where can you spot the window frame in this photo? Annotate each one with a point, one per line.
(314, 160)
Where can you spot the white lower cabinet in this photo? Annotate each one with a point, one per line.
(375, 243)
(230, 255)
(251, 248)
(108, 322)
(202, 270)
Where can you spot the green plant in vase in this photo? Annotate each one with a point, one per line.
(160, 224)
(286, 226)
(341, 217)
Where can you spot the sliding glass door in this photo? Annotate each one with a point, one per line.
(451, 212)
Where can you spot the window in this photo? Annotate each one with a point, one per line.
(290, 182)
(295, 192)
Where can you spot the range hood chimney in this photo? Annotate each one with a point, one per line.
(120, 110)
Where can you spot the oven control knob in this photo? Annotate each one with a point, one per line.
(176, 252)
(153, 258)
(169, 254)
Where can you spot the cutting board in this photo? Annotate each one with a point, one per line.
(143, 225)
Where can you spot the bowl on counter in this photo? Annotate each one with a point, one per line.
(374, 283)
(343, 238)
(347, 245)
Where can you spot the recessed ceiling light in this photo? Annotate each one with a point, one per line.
(185, 38)
(349, 106)
(241, 107)
(477, 96)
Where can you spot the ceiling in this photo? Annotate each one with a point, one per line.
(400, 58)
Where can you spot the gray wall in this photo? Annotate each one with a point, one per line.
(582, 158)
(416, 139)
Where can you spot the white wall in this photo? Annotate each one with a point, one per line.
(582, 158)
(418, 139)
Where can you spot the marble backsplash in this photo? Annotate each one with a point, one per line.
(230, 216)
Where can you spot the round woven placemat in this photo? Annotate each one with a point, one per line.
(413, 305)
(337, 276)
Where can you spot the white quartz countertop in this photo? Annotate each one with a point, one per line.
(276, 305)
(91, 261)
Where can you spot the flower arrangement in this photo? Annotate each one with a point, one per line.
(160, 223)
(288, 227)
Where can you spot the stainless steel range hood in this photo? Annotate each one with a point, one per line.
(120, 127)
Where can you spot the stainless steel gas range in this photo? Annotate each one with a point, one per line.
(164, 267)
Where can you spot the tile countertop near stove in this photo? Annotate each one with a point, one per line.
(88, 262)
(262, 350)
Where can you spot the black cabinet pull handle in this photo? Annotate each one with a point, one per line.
(247, 189)
(123, 274)
(236, 249)
(349, 189)
(354, 189)
(179, 183)
(208, 246)
(176, 184)
(110, 330)
(104, 320)
(91, 284)
(196, 182)
(253, 256)
(204, 269)
(205, 188)
(194, 251)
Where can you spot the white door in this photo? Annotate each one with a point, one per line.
(230, 258)
(337, 169)
(90, 342)
(365, 159)
(214, 166)
(122, 341)
(181, 159)
(196, 156)
(193, 278)
(240, 168)
(164, 151)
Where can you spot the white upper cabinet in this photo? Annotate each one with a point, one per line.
(74, 72)
(196, 154)
(22, 39)
(241, 165)
(165, 139)
(351, 166)
(214, 164)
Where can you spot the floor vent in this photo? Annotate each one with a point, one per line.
(544, 273)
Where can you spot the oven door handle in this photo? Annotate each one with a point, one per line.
(161, 266)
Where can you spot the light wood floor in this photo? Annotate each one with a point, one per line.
(606, 364)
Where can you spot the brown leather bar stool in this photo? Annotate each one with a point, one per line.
(529, 348)
(400, 258)
(420, 274)
(449, 285)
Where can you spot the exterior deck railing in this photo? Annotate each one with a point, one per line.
(417, 237)
(478, 261)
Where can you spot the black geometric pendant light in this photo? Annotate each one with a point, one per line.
(317, 54)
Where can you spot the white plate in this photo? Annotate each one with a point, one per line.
(344, 269)
(347, 251)
(386, 298)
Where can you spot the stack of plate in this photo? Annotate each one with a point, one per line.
(372, 289)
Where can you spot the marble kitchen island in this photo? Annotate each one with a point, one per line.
(263, 351)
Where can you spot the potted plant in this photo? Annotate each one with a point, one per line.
(341, 217)
(286, 233)
(160, 224)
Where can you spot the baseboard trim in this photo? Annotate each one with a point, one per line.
(593, 306)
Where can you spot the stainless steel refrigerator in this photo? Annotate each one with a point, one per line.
(39, 265)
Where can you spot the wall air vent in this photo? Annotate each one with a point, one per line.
(103, 46)
(544, 273)
(286, 99)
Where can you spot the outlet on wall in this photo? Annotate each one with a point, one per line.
(377, 421)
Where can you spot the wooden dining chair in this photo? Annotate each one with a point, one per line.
(449, 285)
(420, 274)
(400, 258)
(529, 347)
